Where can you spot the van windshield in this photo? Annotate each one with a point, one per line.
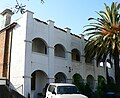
(67, 90)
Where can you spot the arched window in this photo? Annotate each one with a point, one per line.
(59, 51)
(38, 45)
(75, 55)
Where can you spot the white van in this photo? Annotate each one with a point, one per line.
(63, 90)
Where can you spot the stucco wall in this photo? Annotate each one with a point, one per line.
(24, 61)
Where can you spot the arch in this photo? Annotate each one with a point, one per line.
(39, 45)
(101, 79)
(111, 86)
(90, 81)
(111, 80)
(60, 78)
(77, 78)
(75, 55)
(101, 84)
(59, 50)
(78, 81)
(38, 82)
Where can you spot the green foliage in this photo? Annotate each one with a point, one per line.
(78, 81)
(87, 90)
(103, 87)
(83, 88)
(111, 87)
(104, 37)
(104, 33)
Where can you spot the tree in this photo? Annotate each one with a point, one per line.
(104, 37)
(21, 7)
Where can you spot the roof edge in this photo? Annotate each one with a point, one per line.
(12, 25)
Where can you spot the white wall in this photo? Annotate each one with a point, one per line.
(18, 54)
(24, 62)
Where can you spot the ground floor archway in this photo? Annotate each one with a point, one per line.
(90, 81)
(77, 78)
(60, 78)
(38, 81)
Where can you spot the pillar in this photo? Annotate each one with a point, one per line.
(51, 50)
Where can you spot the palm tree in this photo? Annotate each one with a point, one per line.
(104, 37)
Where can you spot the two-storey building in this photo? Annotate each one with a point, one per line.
(42, 52)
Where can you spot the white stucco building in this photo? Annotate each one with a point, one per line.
(43, 53)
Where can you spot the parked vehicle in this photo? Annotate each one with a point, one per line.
(63, 90)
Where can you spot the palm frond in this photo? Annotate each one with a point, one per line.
(108, 12)
(104, 33)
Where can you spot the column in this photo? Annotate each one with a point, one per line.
(68, 55)
(50, 50)
(83, 57)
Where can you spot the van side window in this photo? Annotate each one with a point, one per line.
(51, 88)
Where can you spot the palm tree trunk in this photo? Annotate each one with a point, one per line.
(117, 69)
(107, 75)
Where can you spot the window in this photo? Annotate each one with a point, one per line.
(51, 88)
(59, 51)
(75, 55)
(39, 46)
(67, 90)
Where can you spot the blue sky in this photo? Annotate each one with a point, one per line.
(66, 13)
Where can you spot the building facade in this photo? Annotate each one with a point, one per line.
(43, 53)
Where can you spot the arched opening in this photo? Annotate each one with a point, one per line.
(101, 79)
(101, 84)
(38, 45)
(90, 81)
(77, 79)
(38, 82)
(75, 55)
(111, 86)
(59, 51)
(60, 78)
(111, 80)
